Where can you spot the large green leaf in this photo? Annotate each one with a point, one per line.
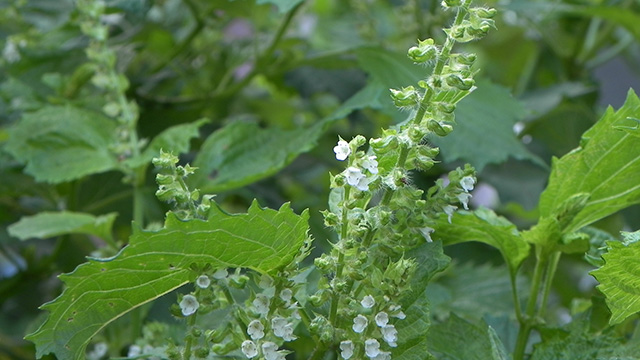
(484, 131)
(619, 277)
(62, 143)
(49, 224)
(413, 329)
(176, 139)
(459, 339)
(283, 5)
(605, 166)
(485, 226)
(155, 263)
(391, 69)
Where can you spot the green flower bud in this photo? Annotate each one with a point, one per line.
(223, 349)
(466, 59)
(416, 134)
(438, 128)
(456, 81)
(385, 144)
(330, 219)
(428, 151)
(486, 13)
(423, 162)
(163, 179)
(202, 352)
(338, 181)
(356, 142)
(323, 262)
(408, 96)
(238, 281)
(451, 3)
(446, 107)
(166, 194)
(215, 336)
(425, 51)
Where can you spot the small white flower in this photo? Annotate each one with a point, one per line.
(10, 52)
(220, 274)
(353, 175)
(189, 305)
(270, 351)
(384, 355)
(363, 184)
(382, 318)
(464, 199)
(346, 348)
(371, 164)
(261, 304)
(134, 350)
(249, 349)
(426, 232)
(467, 183)
(203, 281)
(368, 302)
(286, 295)
(99, 350)
(282, 328)
(342, 150)
(360, 323)
(400, 315)
(371, 348)
(390, 335)
(449, 210)
(265, 281)
(255, 329)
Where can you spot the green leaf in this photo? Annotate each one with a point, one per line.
(484, 130)
(241, 153)
(62, 143)
(620, 15)
(155, 263)
(620, 277)
(50, 224)
(391, 69)
(283, 5)
(176, 139)
(485, 226)
(459, 339)
(605, 166)
(413, 329)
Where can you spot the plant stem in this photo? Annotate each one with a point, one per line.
(343, 235)
(528, 320)
(186, 355)
(552, 266)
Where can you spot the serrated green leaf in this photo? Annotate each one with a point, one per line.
(605, 166)
(484, 130)
(175, 139)
(241, 153)
(283, 5)
(458, 339)
(155, 263)
(485, 226)
(413, 329)
(620, 278)
(49, 224)
(62, 143)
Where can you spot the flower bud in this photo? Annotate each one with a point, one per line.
(466, 59)
(357, 141)
(202, 352)
(408, 96)
(425, 51)
(425, 150)
(385, 144)
(162, 179)
(451, 3)
(215, 336)
(486, 13)
(330, 219)
(416, 134)
(223, 349)
(439, 129)
(457, 82)
(238, 281)
(446, 107)
(323, 262)
(337, 181)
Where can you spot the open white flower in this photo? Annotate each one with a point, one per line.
(220, 274)
(464, 199)
(449, 210)
(249, 349)
(390, 335)
(372, 348)
(261, 304)
(270, 351)
(189, 305)
(371, 164)
(282, 328)
(359, 324)
(384, 355)
(342, 150)
(203, 281)
(467, 183)
(368, 302)
(255, 329)
(353, 175)
(382, 318)
(286, 295)
(426, 232)
(346, 349)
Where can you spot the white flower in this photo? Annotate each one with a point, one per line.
(99, 350)
(426, 232)
(249, 349)
(449, 209)
(384, 355)
(371, 347)
(189, 305)
(400, 315)
(346, 348)
(363, 184)
(220, 274)
(286, 295)
(282, 328)
(382, 318)
(10, 52)
(270, 351)
(342, 150)
(203, 281)
(255, 329)
(371, 164)
(360, 323)
(368, 302)
(134, 350)
(265, 281)
(353, 175)
(467, 183)
(390, 335)
(261, 304)
(464, 199)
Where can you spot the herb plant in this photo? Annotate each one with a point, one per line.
(210, 283)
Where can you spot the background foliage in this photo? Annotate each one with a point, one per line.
(277, 81)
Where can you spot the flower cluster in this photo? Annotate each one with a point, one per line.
(362, 169)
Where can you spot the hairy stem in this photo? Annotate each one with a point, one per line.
(333, 313)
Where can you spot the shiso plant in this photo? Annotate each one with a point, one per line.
(252, 286)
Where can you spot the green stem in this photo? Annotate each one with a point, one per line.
(333, 313)
(514, 294)
(186, 355)
(528, 320)
(552, 266)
